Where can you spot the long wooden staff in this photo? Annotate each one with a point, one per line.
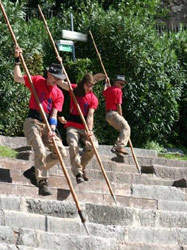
(78, 107)
(130, 143)
(46, 121)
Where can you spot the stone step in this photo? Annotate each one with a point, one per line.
(4, 246)
(142, 160)
(135, 236)
(172, 206)
(147, 160)
(54, 241)
(158, 192)
(8, 173)
(83, 196)
(155, 235)
(131, 217)
(65, 226)
(170, 173)
(35, 214)
(108, 165)
(147, 246)
(120, 173)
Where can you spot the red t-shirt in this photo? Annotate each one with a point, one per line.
(49, 96)
(113, 95)
(89, 101)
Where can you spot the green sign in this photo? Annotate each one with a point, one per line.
(65, 47)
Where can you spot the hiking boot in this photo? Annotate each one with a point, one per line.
(119, 151)
(85, 176)
(30, 174)
(79, 178)
(43, 188)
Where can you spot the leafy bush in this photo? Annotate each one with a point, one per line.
(154, 101)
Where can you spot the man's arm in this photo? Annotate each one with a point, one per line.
(64, 85)
(119, 109)
(90, 119)
(53, 119)
(18, 77)
(107, 83)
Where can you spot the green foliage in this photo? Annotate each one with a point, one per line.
(154, 146)
(129, 45)
(14, 97)
(154, 101)
(7, 152)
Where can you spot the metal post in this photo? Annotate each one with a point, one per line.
(72, 29)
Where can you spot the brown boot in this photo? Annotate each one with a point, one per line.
(121, 151)
(43, 188)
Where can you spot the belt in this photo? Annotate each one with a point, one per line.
(36, 115)
(75, 118)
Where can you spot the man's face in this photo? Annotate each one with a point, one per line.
(52, 80)
(120, 84)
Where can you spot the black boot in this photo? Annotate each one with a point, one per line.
(85, 176)
(79, 178)
(30, 174)
(43, 188)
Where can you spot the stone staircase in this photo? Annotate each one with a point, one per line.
(151, 210)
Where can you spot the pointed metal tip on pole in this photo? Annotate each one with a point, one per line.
(85, 226)
(114, 198)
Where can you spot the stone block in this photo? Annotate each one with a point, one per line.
(21, 219)
(52, 208)
(10, 203)
(180, 206)
(7, 235)
(158, 192)
(4, 246)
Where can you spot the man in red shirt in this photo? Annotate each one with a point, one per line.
(35, 130)
(113, 100)
(88, 103)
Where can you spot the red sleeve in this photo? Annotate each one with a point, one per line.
(59, 101)
(27, 83)
(94, 102)
(118, 97)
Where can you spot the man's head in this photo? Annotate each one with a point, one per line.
(119, 81)
(54, 74)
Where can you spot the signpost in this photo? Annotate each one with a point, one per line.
(65, 45)
(68, 45)
(77, 36)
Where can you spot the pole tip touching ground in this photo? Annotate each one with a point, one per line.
(83, 221)
(86, 228)
(114, 198)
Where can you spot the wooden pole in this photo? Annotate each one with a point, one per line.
(130, 143)
(78, 107)
(45, 120)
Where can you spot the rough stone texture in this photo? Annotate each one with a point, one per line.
(146, 246)
(5, 246)
(172, 206)
(158, 192)
(52, 208)
(150, 213)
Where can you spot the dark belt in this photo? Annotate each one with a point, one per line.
(75, 118)
(36, 115)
